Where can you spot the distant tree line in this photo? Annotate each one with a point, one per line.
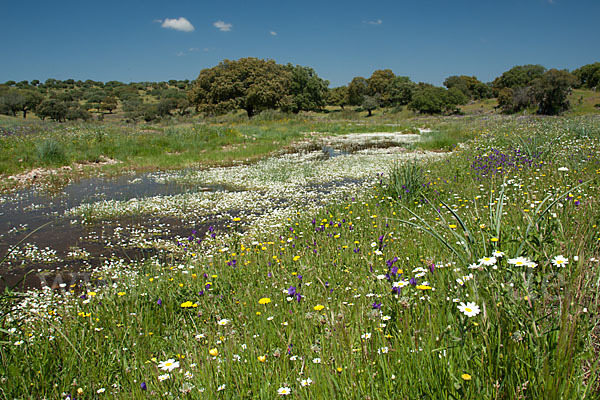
(82, 100)
(255, 85)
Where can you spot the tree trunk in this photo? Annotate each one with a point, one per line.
(25, 113)
(369, 113)
(250, 112)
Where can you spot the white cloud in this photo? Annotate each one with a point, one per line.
(222, 26)
(377, 22)
(179, 24)
(273, 33)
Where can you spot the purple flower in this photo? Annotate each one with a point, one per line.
(432, 267)
(201, 293)
(413, 281)
(376, 306)
(292, 291)
(143, 386)
(159, 302)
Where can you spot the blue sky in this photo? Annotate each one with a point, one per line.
(427, 40)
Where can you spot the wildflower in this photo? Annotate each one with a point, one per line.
(519, 261)
(223, 322)
(188, 304)
(264, 300)
(494, 239)
(497, 253)
(143, 386)
(560, 261)
(424, 287)
(306, 382)
(213, 352)
(366, 335)
(488, 261)
(400, 284)
(284, 391)
(163, 377)
(316, 360)
(531, 264)
(466, 377)
(383, 350)
(168, 365)
(470, 309)
(222, 387)
(318, 307)
(91, 294)
(101, 390)
(262, 359)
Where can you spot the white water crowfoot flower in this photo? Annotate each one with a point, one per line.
(168, 365)
(560, 261)
(470, 309)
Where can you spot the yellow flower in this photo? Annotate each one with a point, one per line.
(236, 219)
(91, 294)
(121, 294)
(264, 300)
(262, 358)
(188, 304)
(296, 258)
(339, 369)
(452, 226)
(424, 287)
(318, 307)
(494, 239)
(466, 377)
(213, 352)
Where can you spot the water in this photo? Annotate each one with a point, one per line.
(57, 247)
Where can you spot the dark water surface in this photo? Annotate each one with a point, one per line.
(26, 210)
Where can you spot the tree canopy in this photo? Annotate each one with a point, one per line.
(250, 84)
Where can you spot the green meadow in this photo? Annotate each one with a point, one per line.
(470, 275)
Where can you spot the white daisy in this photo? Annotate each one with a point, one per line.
(488, 261)
(470, 309)
(306, 382)
(519, 261)
(560, 261)
(163, 377)
(168, 365)
(284, 391)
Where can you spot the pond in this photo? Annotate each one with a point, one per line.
(133, 217)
